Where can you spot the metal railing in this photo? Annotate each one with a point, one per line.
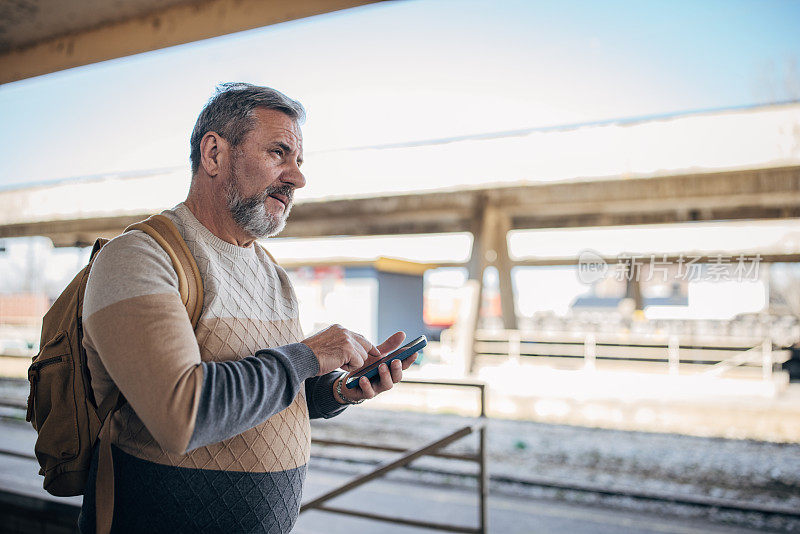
(408, 456)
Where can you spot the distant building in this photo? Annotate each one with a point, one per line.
(23, 309)
(373, 297)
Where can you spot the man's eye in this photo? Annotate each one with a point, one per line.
(277, 151)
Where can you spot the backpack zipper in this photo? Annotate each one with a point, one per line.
(33, 377)
(44, 363)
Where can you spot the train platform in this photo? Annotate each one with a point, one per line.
(618, 398)
(589, 438)
(434, 491)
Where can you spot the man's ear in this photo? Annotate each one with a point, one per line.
(213, 151)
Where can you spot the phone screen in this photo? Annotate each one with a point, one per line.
(358, 374)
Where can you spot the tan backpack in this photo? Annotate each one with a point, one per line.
(61, 405)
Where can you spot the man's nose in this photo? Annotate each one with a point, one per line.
(294, 177)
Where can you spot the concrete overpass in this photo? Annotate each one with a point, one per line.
(42, 36)
(740, 164)
(772, 193)
(729, 165)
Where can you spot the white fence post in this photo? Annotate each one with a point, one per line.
(673, 352)
(589, 353)
(514, 345)
(766, 359)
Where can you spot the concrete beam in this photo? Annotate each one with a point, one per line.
(764, 257)
(155, 29)
(736, 195)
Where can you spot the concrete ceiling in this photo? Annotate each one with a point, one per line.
(42, 36)
(26, 22)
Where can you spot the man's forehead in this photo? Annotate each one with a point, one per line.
(274, 125)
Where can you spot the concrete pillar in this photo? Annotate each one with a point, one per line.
(503, 264)
(475, 268)
(490, 247)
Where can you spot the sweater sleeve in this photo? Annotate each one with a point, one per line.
(138, 328)
(319, 396)
(267, 383)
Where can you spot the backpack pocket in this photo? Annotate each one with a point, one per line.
(51, 405)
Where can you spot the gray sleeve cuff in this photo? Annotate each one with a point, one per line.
(319, 396)
(305, 361)
(238, 395)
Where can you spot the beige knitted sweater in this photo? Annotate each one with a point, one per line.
(233, 396)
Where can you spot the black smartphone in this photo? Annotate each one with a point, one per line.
(371, 371)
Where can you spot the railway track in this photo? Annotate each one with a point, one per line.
(332, 461)
(605, 491)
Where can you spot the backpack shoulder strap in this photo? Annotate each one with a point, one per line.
(98, 244)
(190, 284)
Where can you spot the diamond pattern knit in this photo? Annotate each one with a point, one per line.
(181, 500)
(251, 482)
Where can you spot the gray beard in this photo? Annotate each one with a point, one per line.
(250, 213)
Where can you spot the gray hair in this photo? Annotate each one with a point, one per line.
(230, 113)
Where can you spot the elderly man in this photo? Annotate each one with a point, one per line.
(215, 433)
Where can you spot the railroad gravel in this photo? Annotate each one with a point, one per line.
(742, 470)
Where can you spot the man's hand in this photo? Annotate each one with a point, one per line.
(337, 347)
(389, 375)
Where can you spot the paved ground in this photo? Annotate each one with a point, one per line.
(621, 398)
(508, 514)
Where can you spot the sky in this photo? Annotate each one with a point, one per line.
(400, 72)
(407, 71)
